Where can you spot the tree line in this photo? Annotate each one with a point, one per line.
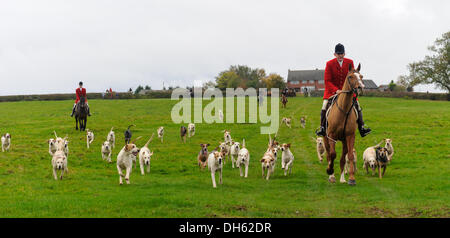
(243, 76)
(433, 69)
(237, 76)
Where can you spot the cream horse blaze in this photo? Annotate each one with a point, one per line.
(342, 126)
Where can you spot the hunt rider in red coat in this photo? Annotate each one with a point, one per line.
(336, 71)
(80, 92)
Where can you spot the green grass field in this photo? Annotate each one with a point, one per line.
(416, 183)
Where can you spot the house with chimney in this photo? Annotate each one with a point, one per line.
(313, 80)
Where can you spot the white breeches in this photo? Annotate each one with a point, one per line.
(324, 105)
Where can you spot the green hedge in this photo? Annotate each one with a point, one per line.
(71, 96)
(409, 95)
(389, 94)
(168, 93)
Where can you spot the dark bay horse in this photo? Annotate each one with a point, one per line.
(81, 112)
(342, 125)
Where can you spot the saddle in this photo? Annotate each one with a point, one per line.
(332, 100)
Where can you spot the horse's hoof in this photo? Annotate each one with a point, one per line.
(351, 182)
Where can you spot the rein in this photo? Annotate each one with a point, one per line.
(354, 91)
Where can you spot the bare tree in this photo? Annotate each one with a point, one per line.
(434, 69)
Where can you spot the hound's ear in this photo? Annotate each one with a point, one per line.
(201, 145)
(262, 160)
(350, 67)
(359, 67)
(289, 145)
(207, 145)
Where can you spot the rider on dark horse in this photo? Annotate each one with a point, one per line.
(285, 92)
(335, 73)
(81, 92)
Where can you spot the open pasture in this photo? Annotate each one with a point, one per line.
(416, 183)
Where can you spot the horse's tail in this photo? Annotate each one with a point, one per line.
(148, 142)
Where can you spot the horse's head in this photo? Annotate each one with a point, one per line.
(354, 78)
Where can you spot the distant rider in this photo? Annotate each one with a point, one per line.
(80, 92)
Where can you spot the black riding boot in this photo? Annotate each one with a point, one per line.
(363, 131)
(73, 110)
(321, 131)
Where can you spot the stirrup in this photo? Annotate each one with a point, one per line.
(364, 132)
(320, 131)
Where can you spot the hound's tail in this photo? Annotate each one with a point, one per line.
(134, 141)
(148, 142)
(56, 136)
(378, 145)
(243, 143)
(112, 128)
(130, 126)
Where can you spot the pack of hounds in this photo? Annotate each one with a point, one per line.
(374, 157)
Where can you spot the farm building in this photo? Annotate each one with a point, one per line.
(370, 85)
(383, 87)
(310, 79)
(313, 80)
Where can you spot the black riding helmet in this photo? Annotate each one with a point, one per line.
(339, 49)
(80, 83)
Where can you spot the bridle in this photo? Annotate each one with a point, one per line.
(352, 91)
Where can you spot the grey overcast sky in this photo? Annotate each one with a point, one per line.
(48, 46)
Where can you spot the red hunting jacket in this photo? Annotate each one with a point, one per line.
(335, 76)
(80, 92)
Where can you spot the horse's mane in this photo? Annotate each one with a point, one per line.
(82, 101)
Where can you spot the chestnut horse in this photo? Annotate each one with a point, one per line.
(342, 125)
(284, 100)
